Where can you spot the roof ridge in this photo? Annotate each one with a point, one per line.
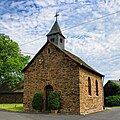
(81, 62)
(72, 56)
(77, 59)
(55, 29)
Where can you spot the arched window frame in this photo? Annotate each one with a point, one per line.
(61, 40)
(52, 39)
(48, 50)
(89, 86)
(96, 84)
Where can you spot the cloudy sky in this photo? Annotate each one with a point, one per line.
(91, 28)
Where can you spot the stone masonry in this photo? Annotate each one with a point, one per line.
(90, 103)
(65, 76)
(55, 69)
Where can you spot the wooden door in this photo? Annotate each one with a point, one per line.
(48, 89)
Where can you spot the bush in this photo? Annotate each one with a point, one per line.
(37, 101)
(112, 101)
(54, 100)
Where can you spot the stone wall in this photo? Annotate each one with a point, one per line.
(53, 67)
(90, 103)
(11, 97)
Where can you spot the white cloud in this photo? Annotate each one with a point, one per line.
(96, 42)
(117, 73)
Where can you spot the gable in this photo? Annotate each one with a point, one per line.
(35, 57)
(70, 55)
(82, 63)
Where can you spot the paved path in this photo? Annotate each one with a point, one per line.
(113, 114)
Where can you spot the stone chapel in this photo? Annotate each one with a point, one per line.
(55, 69)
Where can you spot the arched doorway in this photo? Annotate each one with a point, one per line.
(48, 89)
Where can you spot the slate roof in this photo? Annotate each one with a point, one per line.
(70, 55)
(17, 89)
(55, 30)
(116, 81)
(78, 60)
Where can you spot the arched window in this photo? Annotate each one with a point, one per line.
(89, 86)
(48, 50)
(61, 40)
(52, 39)
(96, 83)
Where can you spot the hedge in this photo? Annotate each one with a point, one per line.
(112, 101)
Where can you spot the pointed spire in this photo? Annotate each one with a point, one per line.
(55, 29)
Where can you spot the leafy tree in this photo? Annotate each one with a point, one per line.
(115, 88)
(11, 62)
(37, 102)
(113, 98)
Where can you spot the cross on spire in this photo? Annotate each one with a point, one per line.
(56, 15)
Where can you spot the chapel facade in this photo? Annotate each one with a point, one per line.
(55, 69)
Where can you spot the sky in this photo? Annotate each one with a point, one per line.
(91, 28)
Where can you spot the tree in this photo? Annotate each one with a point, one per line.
(11, 62)
(113, 98)
(115, 88)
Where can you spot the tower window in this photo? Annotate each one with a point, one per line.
(52, 39)
(89, 86)
(61, 40)
(96, 82)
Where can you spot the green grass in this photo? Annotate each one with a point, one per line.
(116, 107)
(12, 107)
(109, 108)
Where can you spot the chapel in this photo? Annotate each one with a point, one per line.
(55, 69)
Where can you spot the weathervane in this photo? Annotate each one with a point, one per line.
(56, 15)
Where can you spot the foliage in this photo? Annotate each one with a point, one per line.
(113, 101)
(11, 62)
(12, 107)
(115, 88)
(37, 102)
(54, 100)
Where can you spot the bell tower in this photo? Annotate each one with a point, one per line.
(55, 35)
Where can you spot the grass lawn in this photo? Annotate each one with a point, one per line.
(12, 107)
(116, 107)
(109, 108)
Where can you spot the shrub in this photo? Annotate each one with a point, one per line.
(112, 101)
(54, 100)
(37, 101)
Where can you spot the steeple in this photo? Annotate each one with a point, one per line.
(55, 29)
(55, 35)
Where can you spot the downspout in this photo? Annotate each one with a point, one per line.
(103, 92)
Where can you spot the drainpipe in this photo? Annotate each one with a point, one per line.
(103, 93)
